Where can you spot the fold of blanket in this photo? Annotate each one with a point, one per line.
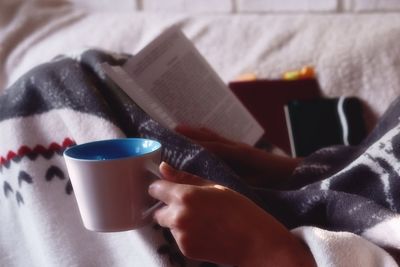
(69, 101)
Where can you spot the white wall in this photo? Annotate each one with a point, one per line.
(240, 6)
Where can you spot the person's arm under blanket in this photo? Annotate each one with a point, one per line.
(257, 167)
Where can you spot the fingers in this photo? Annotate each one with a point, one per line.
(163, 191)
(164, 217)
(174, 196)
(180, 177)
(192, 133)
(222, 150)
(202, 134)
(177, 190)
(173, 183)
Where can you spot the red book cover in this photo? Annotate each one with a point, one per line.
(265, 99)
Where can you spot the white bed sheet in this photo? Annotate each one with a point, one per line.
(354, 54)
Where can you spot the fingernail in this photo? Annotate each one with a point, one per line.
(166, 167)
(152, 187)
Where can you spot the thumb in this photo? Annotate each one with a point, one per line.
(173, 175)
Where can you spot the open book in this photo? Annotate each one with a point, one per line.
(173, 83)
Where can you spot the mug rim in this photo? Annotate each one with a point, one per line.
(79, 146)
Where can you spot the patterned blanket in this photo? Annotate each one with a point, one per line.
(70, 101)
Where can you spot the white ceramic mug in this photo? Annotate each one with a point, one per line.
(110, 179)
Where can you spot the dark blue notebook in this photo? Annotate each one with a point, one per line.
(322, 122)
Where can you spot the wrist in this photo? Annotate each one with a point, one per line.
(294, 253)
(278, 248)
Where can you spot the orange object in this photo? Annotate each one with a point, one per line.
(246, 77)
(307, 72)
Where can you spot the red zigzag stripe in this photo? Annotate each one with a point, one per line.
(39, 149)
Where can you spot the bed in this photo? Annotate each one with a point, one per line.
(354, 54)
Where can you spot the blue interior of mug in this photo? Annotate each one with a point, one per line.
(112, 149)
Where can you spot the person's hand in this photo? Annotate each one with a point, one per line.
(257, 167)
(213, 223)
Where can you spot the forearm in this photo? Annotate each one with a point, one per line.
(270, 169)
(256, 166)
(278, 166)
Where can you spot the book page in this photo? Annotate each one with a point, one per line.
(137, 94)
(176, 77)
